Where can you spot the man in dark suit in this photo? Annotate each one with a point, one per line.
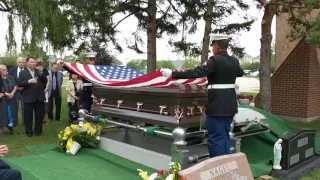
(55, 91)
(6, 172)
(14, 72)
(33, 80)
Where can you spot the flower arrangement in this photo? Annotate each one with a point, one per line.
(243, 96)
(171, 174)
(84, 135)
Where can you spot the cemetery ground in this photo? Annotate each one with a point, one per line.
(17, 143)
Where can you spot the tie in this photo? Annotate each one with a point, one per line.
(54, 81)
(19, 70)
(32, 74)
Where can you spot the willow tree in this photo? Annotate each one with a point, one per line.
(61, 23)
(37, 17)
(297, 11)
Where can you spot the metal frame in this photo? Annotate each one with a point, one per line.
(179, 149)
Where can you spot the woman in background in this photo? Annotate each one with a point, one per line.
(41, 68)
(74, 86)
(8, 111)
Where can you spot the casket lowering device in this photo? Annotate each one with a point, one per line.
(155, 126)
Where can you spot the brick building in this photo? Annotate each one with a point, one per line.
(296, 82)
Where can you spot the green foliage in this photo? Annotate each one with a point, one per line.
(193, 11)
(302, 23)
(250, 65)
(167, 20)
(314, 35)
(62, 23)
(139, 65)
(273, 63)
(39, 17)
(35, 51)
(10, 59)
(190, 63)
(116, 62)
(165, 64)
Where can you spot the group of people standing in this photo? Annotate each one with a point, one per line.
(27, 85)
(38, 90)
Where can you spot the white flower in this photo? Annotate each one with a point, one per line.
(171, 164)
(170, 177)
(98, 138)
(153, 176)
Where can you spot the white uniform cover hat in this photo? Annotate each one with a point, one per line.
(217, 37)
(90, 55)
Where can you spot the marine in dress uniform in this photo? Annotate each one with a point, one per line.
(221, 71)
(86, 94)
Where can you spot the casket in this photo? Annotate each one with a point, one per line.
(178, 118)
(170, 107)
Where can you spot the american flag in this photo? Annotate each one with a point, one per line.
(124, 76)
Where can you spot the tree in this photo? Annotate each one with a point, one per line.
(190, 63)
(61, 23)
(40, 17)
(165, 64)
(271, 8)
(103, 55)
(116, 62)
(197, 10)
(145, 12)
(139, 65)
(207, 30)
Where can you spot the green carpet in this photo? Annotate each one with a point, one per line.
(89, 164)
(259, 148)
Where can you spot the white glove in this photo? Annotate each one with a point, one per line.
(166, 72)
(237, 89)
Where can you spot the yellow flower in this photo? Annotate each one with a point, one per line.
(92, 131)
(67, 134)
(74, 126)
(143, 174)
(59, 136)
(87, 126)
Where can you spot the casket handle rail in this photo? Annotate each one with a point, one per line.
(190, 108)
(94, 100)
(163, 110)
(178, 110)
(139, 105)
(200, 107)
(102, 101)
(120, 103)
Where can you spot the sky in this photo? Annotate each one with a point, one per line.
(250, 40)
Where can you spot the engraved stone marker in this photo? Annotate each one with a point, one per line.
(297, 147)
(227, 167)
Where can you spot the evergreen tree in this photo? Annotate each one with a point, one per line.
(202, 10)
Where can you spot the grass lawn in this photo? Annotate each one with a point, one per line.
(17, 143)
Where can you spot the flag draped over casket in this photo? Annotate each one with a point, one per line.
(124, 76)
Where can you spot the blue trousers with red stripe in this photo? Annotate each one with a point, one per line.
(218, 128)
